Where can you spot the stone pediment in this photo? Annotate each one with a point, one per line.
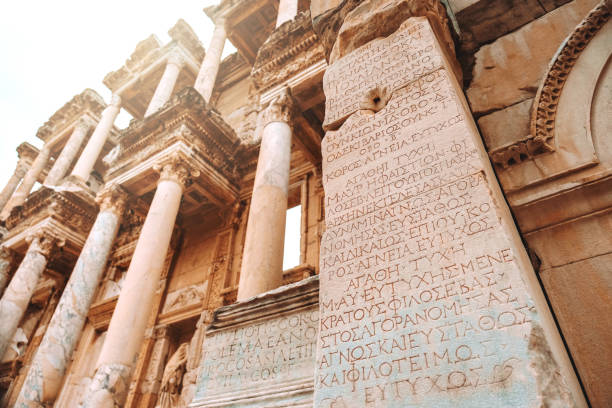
(185, 125)
(87, 101)
(290, 49)
(27, 151)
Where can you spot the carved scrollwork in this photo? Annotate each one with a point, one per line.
(177, 169)
(280, 109)
(112, 198)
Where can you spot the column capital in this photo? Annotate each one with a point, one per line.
(112, 198)
(44, 242)
(115, 101)
(175, 58)
(23, 165)
(83, 124)
(176, 168)
(7, 254)
(280, 109)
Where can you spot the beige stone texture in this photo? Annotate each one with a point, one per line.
(506, 126)
(510, 69)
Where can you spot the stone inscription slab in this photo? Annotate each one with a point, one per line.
(390, 62)
(258, 358)
(422, 297)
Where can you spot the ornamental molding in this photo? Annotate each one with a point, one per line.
(280, 109)
(176, 168)
(27, 152)
(88, 100)
(541, 139)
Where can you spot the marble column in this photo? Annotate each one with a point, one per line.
(20, 171)
(262, 263)
(205, 82)
(287, 10)
(7, 257)
(92, 150)
(126, 330)
(20, 195)
(17, 296)
(166, 84)
(44, 378)
(68, 154)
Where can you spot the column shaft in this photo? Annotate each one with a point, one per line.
(13, 182)
(205, 82)
(47, 369)
(17, 296)
(166, 85)
(28, 182)
(92, 150)
(127, 326)
(68, 154)
(287, 10)
(262, 263)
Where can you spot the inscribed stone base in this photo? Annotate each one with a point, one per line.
(427, 296)
(261, 352)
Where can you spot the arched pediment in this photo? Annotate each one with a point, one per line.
(561, 140)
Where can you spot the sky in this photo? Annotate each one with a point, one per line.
(53, 50)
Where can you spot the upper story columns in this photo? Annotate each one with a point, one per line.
(262, 263)
(27, 154)
(207, 76)
(287, 10)
(94, 147)
(164, 89)
(69, 152)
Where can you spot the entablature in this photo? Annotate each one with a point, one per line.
(187, 127)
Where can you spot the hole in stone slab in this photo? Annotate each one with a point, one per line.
(375, 99)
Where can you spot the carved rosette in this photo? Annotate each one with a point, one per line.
(280, 109)
(112, 198)
(45, 243)
(176, 168)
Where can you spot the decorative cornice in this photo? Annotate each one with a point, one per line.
(44, 242)
(144, 51)
(280, 109)
(182, 33)
(112, 198)
(27, 151)
(542, 133)
(74, 109)
(290, 48)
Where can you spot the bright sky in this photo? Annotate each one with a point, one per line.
(53, 50)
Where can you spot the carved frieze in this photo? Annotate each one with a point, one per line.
(544, 111)
(184, 298)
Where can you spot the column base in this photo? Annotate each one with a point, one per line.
(109, 387)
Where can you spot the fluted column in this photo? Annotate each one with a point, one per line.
(96, 142)
(166, 83)
(205, 82)
(287, 10)
(20, 171)
(68, 154)
(7, 257)
(28, 182)
(262, 263)
(47, 369)
(17, 296)
(127, 327)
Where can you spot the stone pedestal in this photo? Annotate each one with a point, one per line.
(205, 82)
(262, 263)
(48, 367)
(92, 150)
(17, 296)
(28, 182)
(69, 152)
(127, 327)
(11, 185)
(166, 84)
(261, 352)
(428, 298)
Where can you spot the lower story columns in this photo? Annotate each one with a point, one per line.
(6, 260)
(126, 330)
(47, 369)
(262, 263)
(17, 296)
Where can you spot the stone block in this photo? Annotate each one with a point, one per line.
(510, 69)
(506, 126)
(580, 296)
(261, 352)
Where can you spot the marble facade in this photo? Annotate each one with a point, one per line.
(452, 169)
